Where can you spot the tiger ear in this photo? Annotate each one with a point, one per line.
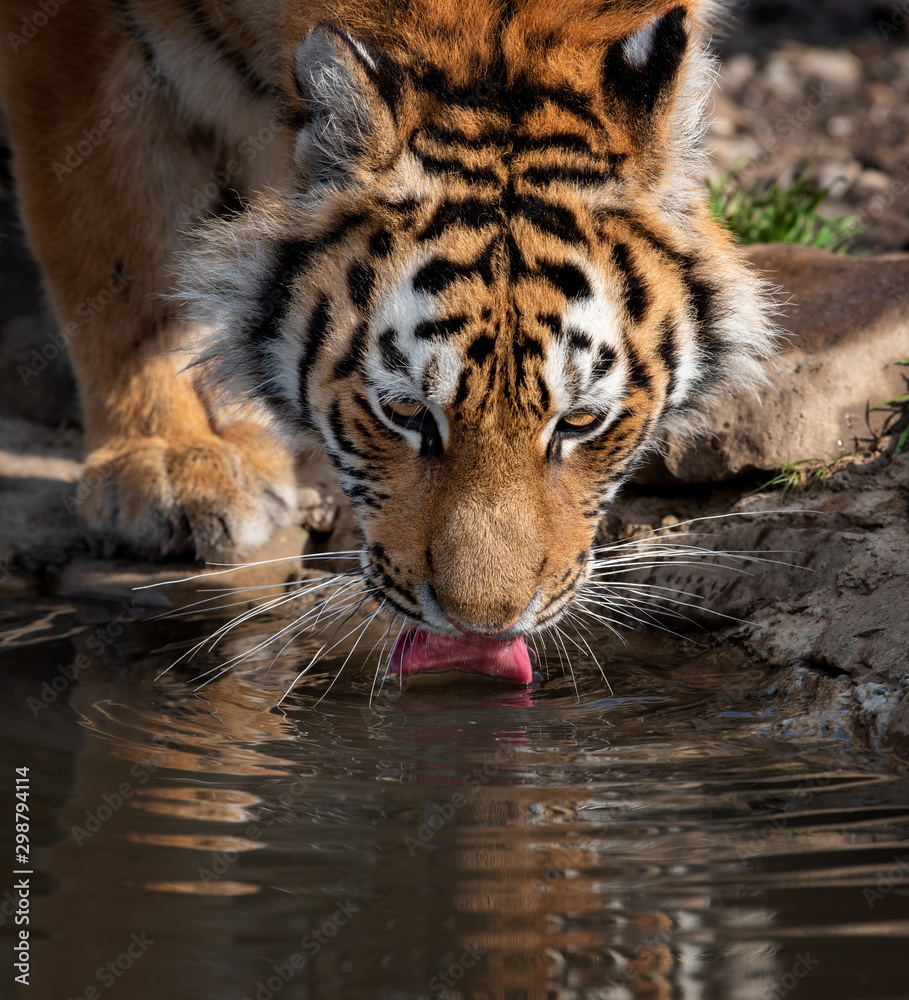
(350, 95)
(643, 72)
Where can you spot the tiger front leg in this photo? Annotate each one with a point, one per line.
(107, 184)
(187, 488)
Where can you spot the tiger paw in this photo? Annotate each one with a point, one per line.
(196, 496)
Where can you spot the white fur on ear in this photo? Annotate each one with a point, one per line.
(364, 52)
(332, 85)
(637, 48)
(338, 82)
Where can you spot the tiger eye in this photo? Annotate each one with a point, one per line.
(401, 408)
(579, 419)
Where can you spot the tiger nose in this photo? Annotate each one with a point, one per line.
(486, 554)
(471, 631)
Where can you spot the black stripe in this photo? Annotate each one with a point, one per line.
(342, 226)
(678, 257)
(667, 350)
(291, 259)
(636, 293)
(361, 475)
(436, 276)
(490, 385)
(379, 455)
(638, 376)
(448, 166)
(430, 378)
(360, 281)
(253, 82)
(353, 359)
(526, 95)
(481, 349)
(557, 142)
(541, 176)
(704, 296)
(383, 72)
(553, 219)
(336, 423)
(568, 278)
(470, 212)
(380, 243)
(439, 327)
(528, 347)
(397, 608)
(517, 265)
(361, 494)
(552, 322)
(392, 357)
(604, 362)
(519, 98)
(316, 335)
(545, 398)
(579, 340)
(132, 25)
(463, 389)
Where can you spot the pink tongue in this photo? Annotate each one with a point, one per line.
(419, 652)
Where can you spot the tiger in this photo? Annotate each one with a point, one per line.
(461, 245)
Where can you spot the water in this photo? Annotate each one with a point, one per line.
(461, 841)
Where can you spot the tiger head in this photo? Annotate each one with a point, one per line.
(487, 285)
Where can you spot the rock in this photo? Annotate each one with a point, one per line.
(838, 67)
(899, 727)
(38, 472)
(826, 596)
(319, 496)
(186, 586)
(847, 323)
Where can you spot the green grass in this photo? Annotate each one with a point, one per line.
(807, 476)
(811, 474)
(767, 212)
(898, 417)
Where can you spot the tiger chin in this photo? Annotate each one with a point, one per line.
(461, 244)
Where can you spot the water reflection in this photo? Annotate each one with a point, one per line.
(445, 843)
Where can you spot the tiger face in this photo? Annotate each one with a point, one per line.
(487, 287)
